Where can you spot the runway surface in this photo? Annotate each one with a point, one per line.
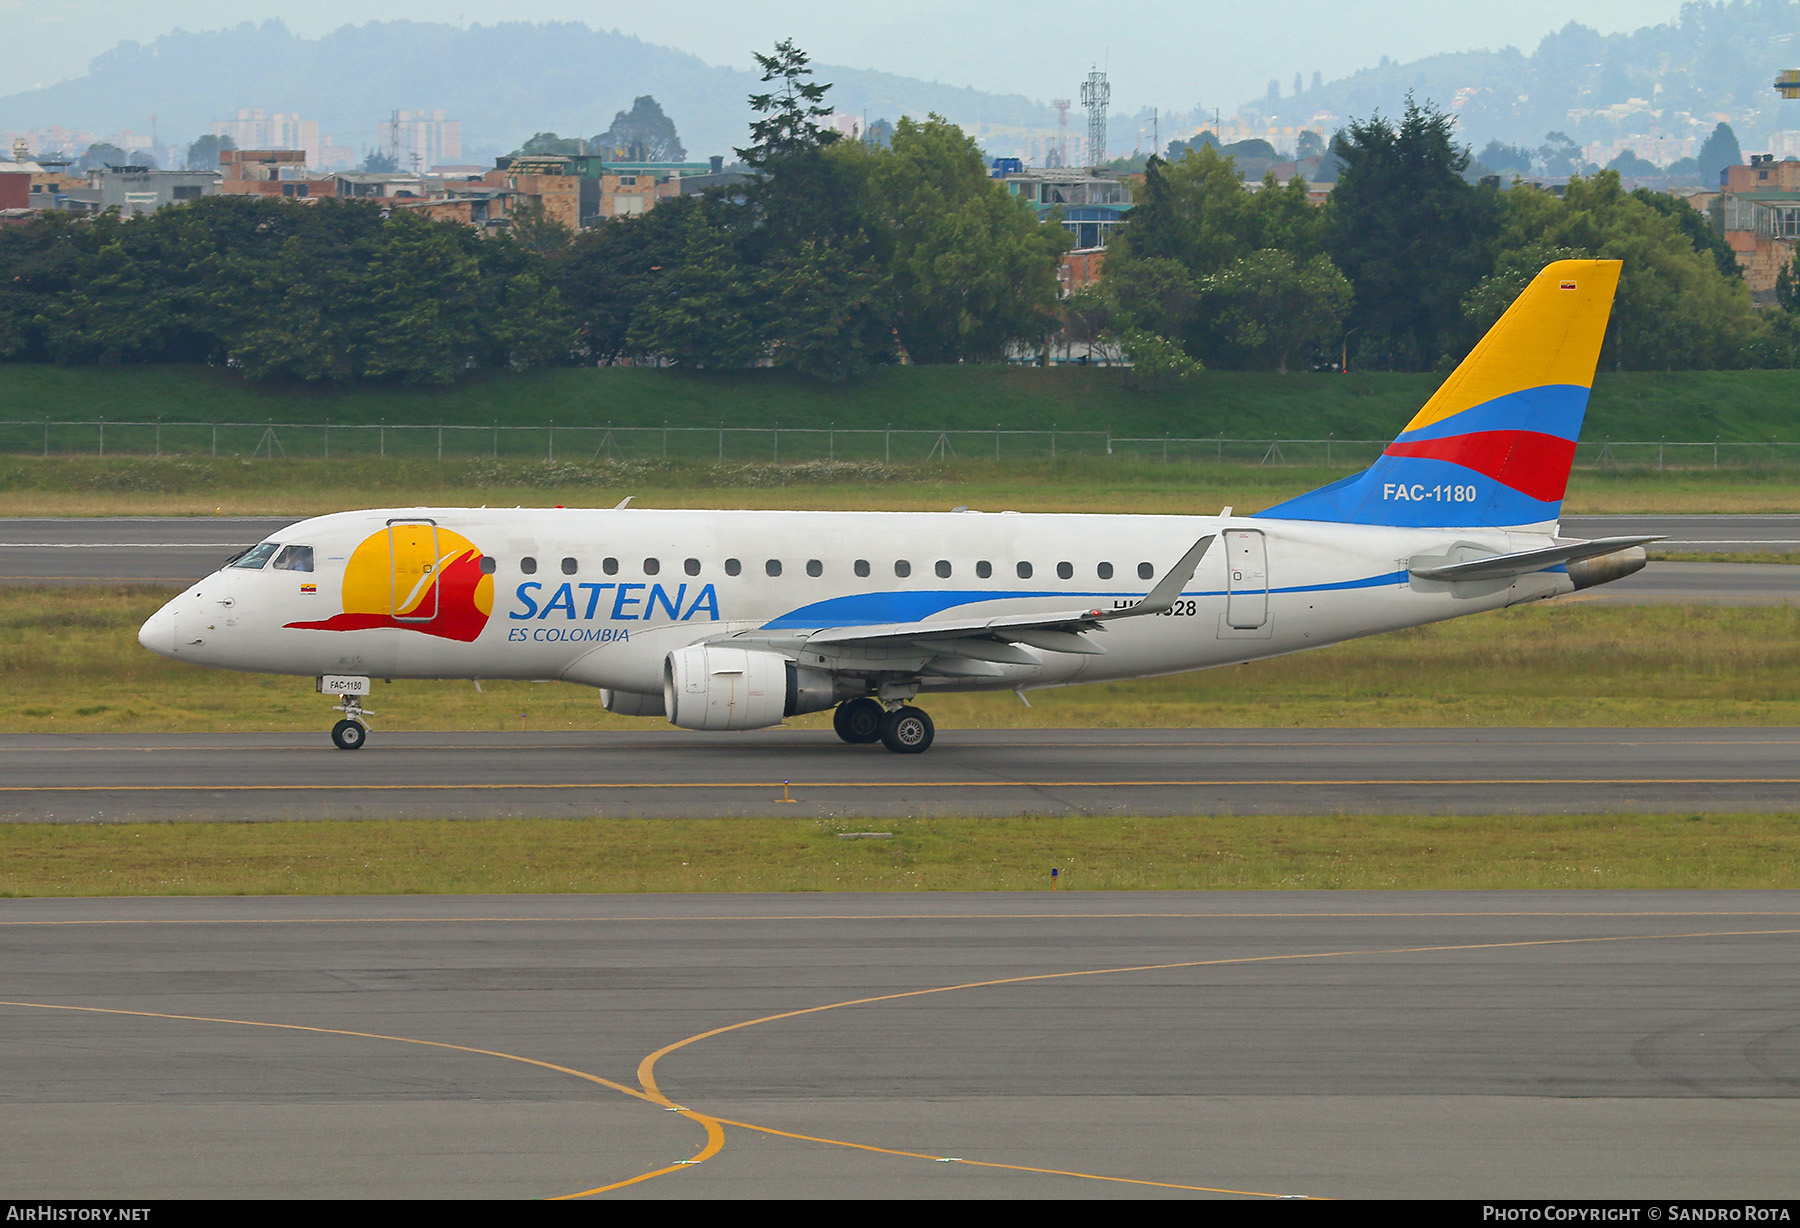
(673, 773)
(99, 550)
(178, 550)
(1773, 533)
(1342, 1044)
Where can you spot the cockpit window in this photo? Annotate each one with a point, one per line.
(294, 558)
(253, 558)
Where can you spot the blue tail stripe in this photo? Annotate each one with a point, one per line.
(1551, 409)
(1416, 492)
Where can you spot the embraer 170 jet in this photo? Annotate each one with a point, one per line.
(736, 620)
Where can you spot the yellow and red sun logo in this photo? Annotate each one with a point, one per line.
(414, 576)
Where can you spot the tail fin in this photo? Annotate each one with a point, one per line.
(1494, 444)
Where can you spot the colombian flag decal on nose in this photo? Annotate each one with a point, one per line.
(414, 577)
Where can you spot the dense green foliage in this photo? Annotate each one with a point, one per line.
(1408, 263)
(331, 291)
(837, 257)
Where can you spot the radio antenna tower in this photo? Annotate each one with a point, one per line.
(1095, 94)
(1062, 130)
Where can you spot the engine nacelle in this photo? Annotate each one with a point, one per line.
(710, 687)
(1605, 568)
(631, 703)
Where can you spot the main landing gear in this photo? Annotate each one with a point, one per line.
(905, 730)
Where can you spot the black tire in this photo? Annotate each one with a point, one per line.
(349, 735)
(907, 731)
(858, 721)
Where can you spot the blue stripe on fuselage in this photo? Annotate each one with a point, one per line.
(914, 606)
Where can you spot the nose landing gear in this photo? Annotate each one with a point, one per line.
(349, 734)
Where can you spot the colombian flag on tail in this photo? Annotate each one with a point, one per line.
(1494, 444)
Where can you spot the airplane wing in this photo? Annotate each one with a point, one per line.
(993, 639)
(1500, 566)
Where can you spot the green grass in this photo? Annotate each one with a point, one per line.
(94, 486)
(1750, 406)
(776, 854)
(70, 662)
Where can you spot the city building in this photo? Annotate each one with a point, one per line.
(420, 141)
(271, 172)
(254, 130)
(551, 181)
(1091, 206)
(1760, 207)
(137, 190)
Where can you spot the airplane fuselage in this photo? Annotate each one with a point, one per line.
(602, 597)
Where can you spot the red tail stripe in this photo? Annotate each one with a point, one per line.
(1530, 462)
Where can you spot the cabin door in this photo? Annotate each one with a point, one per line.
(412, 545)
(1246, 579)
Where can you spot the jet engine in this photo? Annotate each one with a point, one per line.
(1604, 569)
(709, 687)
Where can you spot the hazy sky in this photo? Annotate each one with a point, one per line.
(1167, 53)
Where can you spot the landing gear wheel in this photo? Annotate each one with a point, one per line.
(349, 735)
(858, 721)
(907, 731)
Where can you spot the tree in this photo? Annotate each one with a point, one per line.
(788, 115)
(541, 143)
(642, 134)
(1629, 166)
(1560, 155)
(203, 154)
(610, 272)
(825, 316)
(1272, 305)
(1192, 211)
(534, 229)
(1697, 227)
(1787, 286)
(1717, 152)
(1505, 159)
(709, 310)
(1154, 295)
(101, 154)
(1675, 307)
(380, 163)
(1309, 144)
(1409, 232)
(972, 269)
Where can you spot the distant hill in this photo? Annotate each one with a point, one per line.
(1716, 62)
(504, 82)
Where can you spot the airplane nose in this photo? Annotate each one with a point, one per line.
(158, 632)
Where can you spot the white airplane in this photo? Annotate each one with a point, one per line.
(737, 620)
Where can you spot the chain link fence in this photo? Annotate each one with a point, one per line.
(771, 445)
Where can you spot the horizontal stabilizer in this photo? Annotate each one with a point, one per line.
(1501, 566)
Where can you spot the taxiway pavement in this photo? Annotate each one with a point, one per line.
(675, 773)
(1382, 1044)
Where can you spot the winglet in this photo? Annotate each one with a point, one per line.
(1162, 597)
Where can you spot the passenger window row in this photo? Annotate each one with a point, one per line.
(300, 558)
(815, 568)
